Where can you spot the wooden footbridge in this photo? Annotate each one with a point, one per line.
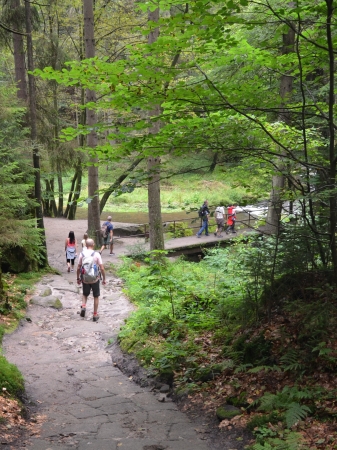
(191, 246)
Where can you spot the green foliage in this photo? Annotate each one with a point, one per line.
(20, 241)
(137, 251)
(287, 401)
(291, 361)
(179, 229)
(260, 421)
(10, 377)
(268, 439)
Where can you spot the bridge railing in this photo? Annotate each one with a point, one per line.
(195, 223)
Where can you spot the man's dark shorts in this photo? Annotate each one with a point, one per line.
(107, 241)
(95, 289)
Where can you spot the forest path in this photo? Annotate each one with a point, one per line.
(69, 373)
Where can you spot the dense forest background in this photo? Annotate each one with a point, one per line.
(234, 99)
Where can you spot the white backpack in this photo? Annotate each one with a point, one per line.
(218, 213)
(89, 269)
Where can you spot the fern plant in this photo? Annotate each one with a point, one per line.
(296, 412)
(290, 362)
(291, 441)
(288, 400)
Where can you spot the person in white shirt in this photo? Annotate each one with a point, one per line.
(95, 285)
(219, 218)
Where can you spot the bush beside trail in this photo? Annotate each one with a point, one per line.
(226, 334)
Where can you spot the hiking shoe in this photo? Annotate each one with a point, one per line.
(95, 317)
(111, 253)
(214, 234)
(68, 269)
(197, 235)
(83, 310)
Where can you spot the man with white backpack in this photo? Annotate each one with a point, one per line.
(219, 215)
(89, 271)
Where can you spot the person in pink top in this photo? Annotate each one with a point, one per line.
(70, 247)
(93, 285)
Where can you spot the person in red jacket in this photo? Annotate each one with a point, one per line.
(231, 211)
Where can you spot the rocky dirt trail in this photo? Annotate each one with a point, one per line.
(71, 379)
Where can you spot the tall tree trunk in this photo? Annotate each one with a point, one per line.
(278, 180)
(93, 183)
(46, 200)
(53, 206)
(77, 193)
(71, 193)
(33, 126)
(60, 191)
(153, 167)
(19, 58)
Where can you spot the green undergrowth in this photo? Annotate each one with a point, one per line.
(221, 327)
(12, 308)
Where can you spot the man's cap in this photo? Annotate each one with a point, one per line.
(109, 218)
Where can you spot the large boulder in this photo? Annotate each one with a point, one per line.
(130, 230)
(15, 260)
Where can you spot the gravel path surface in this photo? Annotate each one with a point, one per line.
(70, 376)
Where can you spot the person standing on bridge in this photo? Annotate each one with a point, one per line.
(204, 215)
(231, 219)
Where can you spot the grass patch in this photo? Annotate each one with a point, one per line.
(10, 378)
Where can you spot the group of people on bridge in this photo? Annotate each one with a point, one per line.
(219, 214)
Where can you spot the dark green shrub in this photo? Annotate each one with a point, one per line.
(256, 352)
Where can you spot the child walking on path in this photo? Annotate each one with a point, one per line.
(83, 242)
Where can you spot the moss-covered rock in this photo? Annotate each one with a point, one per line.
(238, 401)
(227, 412)
(166, 376)
(46, 292)
(17, 261)
(48, 302)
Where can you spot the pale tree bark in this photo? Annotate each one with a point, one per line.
(153, 167)
(33, 125)
(278, 180)
(93, 185)
(19, 56)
